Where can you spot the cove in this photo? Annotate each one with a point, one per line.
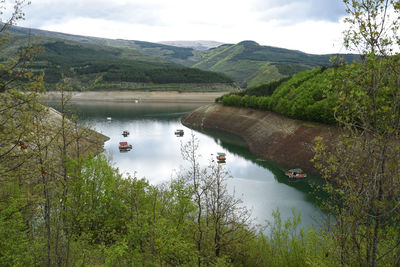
(261, 185)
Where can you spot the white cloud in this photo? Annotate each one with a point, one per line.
(308, 25)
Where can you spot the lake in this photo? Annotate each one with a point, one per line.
(261, 185)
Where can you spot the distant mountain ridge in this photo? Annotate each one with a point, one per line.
(179, 55)
(89, 65)
(196, 45)
(251, 64)
(247, 63)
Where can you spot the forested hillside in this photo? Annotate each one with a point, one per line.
(181, 55)
(303, 96)
(247, 63)
(251, 64)
(93, 67)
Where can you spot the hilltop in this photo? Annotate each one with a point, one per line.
(247, 63)
(180, 55)
(90, 64)
(251, 64)
(196, 45)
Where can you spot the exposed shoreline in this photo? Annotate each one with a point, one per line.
(90, 141)
(141, 96)
(270, 136)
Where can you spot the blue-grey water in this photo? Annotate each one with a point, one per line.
(261, 185)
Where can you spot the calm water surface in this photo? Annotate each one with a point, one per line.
(156, 155)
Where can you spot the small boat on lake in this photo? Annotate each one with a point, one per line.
(125, 133)
(296, 173)
(221, 157)
(179, 132)
(124, 146)
(109, 119)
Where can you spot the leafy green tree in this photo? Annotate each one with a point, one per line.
(19, 90)
(363, 167)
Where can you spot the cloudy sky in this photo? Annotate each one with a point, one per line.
(312, 26)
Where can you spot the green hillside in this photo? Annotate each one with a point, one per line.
(93, 67)
(247, 63)
(179, 55)
(303, 96)
(251, 64)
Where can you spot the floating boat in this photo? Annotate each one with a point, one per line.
(296, 173)
(221, 157)
(124, 146)
(179, 132)
(125, 133)
(109, 119)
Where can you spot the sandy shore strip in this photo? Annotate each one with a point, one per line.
(140, 96)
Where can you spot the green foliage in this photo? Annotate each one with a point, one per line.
(363, 166)
(60, 207)
(107, 63)
(80, 211)
(288, 69)
(247, 63)
(88, 65)
(285, 244)
(303, 96)
(151, 51)
(232, 100)
(14, 241)
(177, 52)
(266, 89)
(163, 75)
(251, 64)
(130, 220)
(297, 98)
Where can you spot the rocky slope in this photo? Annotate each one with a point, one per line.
(270, 136)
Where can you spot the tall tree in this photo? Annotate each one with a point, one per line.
(196, 177)
(18, 106)
(363, 168)
(222, 223)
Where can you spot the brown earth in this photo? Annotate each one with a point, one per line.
(270, 136)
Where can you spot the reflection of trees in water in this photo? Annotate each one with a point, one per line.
(129, 110)
(237, 146)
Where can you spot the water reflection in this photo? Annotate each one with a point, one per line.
(156, 155)
(264, 186)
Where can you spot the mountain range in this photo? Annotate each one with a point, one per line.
(247, 63)
(196, 45)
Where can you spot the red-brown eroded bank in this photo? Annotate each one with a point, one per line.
(270, 136)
